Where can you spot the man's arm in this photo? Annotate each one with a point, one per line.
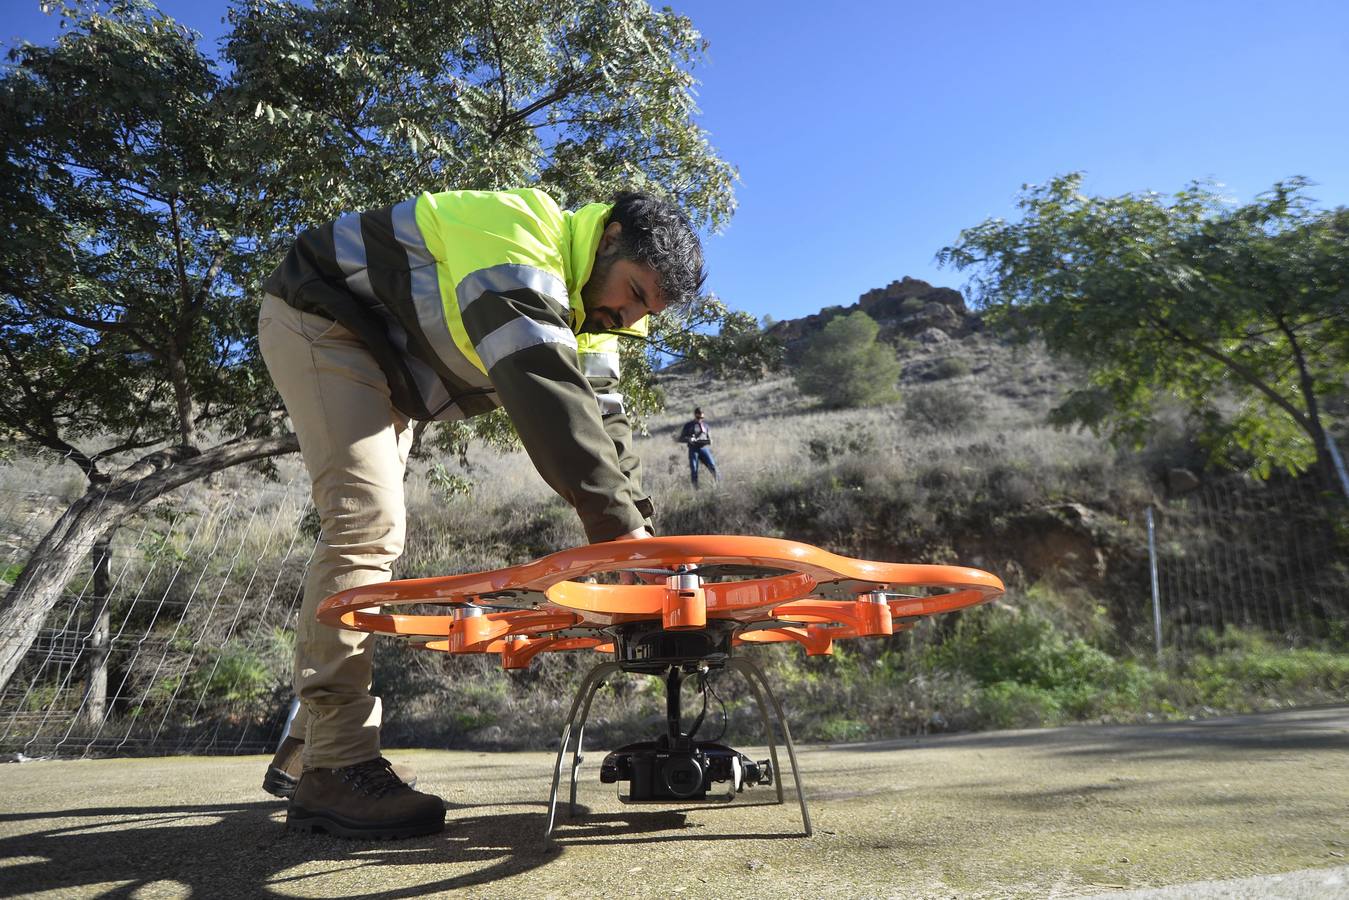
(530, 355)
(598, 355)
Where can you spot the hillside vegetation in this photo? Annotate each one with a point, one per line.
(962, 469)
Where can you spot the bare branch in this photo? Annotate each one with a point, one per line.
(501, 70)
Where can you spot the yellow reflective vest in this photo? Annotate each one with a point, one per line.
(470, 300)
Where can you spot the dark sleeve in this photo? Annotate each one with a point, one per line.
(601, 372)
(530, 355)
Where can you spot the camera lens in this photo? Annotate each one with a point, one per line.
(682, 775)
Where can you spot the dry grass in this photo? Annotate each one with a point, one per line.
(767, 429)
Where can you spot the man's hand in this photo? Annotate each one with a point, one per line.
(626, 577)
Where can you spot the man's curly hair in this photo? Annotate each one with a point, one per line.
(658, 234)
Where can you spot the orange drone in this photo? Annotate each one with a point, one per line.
(711, 594)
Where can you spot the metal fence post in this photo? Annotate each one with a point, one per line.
(1156, 594)
(1338, 461)
(290, 717)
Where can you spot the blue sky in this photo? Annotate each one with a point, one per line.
(867, 134)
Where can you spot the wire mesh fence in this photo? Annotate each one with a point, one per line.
(1264, 556)
(174, 637)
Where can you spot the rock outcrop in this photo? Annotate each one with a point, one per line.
(909, 309)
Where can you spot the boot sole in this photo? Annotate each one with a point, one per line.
(277, 783)
(304, 821)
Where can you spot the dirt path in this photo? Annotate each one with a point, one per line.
(1057, 812)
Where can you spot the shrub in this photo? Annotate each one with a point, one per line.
(845, 366)
(1009, 704)
(950, 367)
(824, 448)
(944, 409)
(446, 483)
(1245, 671)
(840, 729)
(1031, 673)
(1011, 488)
(236, 675)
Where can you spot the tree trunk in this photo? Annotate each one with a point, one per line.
(1325, 464)
(96, 662)
(58, 554)
(182, 397)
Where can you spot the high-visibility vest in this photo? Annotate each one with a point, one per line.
(408, 280)
(456, 295)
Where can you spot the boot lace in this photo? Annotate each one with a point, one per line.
(374, 778)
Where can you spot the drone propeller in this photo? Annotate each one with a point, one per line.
(714, 570)
(677, 570)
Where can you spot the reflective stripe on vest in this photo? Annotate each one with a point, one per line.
(349, 249)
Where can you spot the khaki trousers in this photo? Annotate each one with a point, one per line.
(355, 445)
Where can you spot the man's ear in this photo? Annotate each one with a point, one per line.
(610, 237)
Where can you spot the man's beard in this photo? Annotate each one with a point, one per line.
(593, 289)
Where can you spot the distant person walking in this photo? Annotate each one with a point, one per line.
(699, 441)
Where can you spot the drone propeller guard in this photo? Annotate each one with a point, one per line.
(703, 606)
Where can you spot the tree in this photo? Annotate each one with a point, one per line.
(146, 189)
(129, 236)
(1240, 312)
(844, 365)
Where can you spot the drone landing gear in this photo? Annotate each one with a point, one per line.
(672, 670)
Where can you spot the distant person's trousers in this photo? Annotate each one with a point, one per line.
(703, 455)
(355, 445)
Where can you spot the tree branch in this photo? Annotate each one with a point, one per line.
(50, 437)
(564, 87)
(128, 444)
(180, 264)
(174, 467)
(1313, 426)
(501, 70)
(212, 272)
(94, 174)
(1242, 371)
(72, 318)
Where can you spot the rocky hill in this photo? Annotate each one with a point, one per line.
(908, 308)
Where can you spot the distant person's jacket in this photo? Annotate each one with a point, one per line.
(695, 434)
(470, 300)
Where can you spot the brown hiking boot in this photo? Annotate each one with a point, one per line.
(366, 800)
(283, 773)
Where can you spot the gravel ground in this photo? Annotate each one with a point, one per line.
(1119, 811)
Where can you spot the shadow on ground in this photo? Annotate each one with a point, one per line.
(1012, 814)
(128, 848)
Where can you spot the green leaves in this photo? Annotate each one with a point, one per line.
(111, 190)
(147, 189)
(1234, 311)
(580, 97)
